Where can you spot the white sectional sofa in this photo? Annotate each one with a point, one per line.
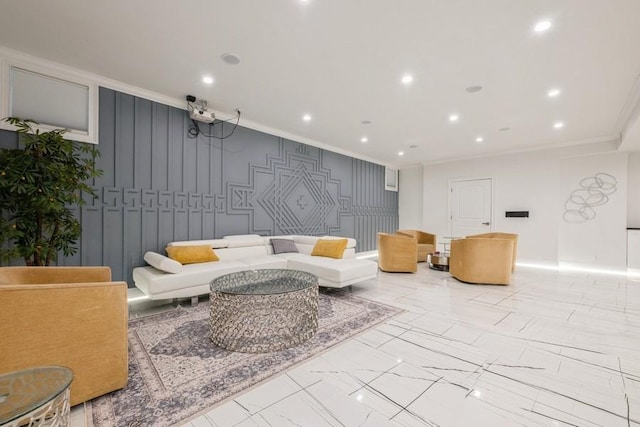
(247, 252)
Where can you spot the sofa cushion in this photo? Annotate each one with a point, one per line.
(334, 270)
(332, 248)
(192, 254)
(281, 246)
(162, 262)
(244, 241)
(152, 281)
(214, 243)
(265, 261)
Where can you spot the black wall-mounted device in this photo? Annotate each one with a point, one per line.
(516, 214)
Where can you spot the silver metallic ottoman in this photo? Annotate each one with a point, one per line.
(260, 311)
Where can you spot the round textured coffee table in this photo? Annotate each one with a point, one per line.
(260, 311)
(35, 397)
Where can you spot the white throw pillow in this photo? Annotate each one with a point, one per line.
(162, 262)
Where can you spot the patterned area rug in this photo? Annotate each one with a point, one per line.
(175, 371)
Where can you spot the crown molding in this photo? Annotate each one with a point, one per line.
(119, 86)
(613, 139)
(630, 111)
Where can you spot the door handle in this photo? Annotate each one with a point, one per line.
(485, 223)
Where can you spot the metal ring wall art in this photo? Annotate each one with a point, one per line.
(594, 191)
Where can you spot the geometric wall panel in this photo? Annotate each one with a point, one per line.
(159, 185)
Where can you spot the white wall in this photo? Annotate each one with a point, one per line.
(410, 198)
(601, 240)
(525, 181)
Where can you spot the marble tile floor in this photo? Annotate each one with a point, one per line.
(551, 349)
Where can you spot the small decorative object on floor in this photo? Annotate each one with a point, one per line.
(438, 261)
(35, 397)
(258, 311)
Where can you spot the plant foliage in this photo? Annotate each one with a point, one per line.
(39, 184)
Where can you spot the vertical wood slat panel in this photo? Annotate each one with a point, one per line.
(124, 143)
(160, 147)
(142, 143)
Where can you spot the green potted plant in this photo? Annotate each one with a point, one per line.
(39, 183)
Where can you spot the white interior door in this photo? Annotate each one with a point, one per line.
(471, 207)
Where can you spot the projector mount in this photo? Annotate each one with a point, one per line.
(201, 113)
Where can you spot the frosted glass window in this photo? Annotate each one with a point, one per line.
(48, 100)
(391, 179)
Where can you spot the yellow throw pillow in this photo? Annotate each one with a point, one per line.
(192, 254)
(332, 248)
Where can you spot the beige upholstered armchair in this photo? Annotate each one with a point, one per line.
(70, 316)
(482, 260)
(513, 237)
(397, 253)
(426, 242)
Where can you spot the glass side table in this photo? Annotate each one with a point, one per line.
(35, 397)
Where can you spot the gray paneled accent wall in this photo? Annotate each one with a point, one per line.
(159, 185)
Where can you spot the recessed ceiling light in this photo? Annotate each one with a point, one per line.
(230, 58)
(306, 117)
(542, 26)
(400, 153)
(558, 125)
(479, 139)
(406, 79)
(207, 79)
(473, 89)
(364, 139)
(553, 93)
(454, 117)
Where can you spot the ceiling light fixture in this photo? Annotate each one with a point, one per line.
(306, 118)
(558, 125)
(230, 58)
(479, 139)
(366, 122)
(364, 139)
(542, 26)
(400, 153)
(207, 79)
(406, 79)
(454, 117)
(473, 89)
(553, 93)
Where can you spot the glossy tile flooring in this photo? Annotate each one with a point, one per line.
(551, 349)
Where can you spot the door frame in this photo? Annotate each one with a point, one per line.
(451, 181)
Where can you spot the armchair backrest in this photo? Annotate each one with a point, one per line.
(481, 260)
(397, 253)
(498, 235)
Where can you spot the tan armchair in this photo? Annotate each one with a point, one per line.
(482, 260)
(509, 236)
(426, 242)
(70, 316)
(397, 253)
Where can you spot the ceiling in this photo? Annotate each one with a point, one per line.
(341, 61)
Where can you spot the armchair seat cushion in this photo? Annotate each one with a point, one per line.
(426, 242)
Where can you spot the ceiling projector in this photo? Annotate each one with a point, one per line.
(202, 115)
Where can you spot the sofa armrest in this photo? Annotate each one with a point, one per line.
(79, 325)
